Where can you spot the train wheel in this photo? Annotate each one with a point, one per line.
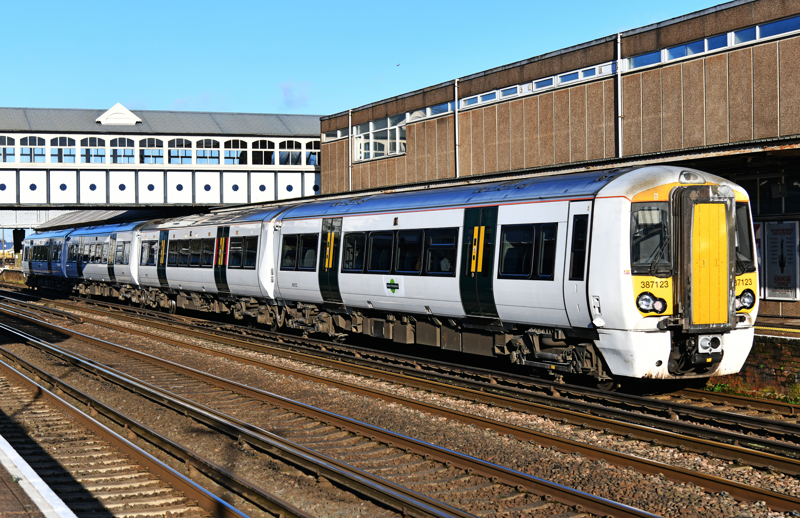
(608, 385)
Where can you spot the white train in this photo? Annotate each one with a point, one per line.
(640, 272)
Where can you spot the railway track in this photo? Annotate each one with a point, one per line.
(432, 481)
(92, 469)
(709, 482)
(759, 440)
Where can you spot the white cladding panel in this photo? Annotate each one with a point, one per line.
(206, 187)
(289, 185)
(311, 184)
(179, 187)
(93, 186)
(122, 187)
(151, 186)
(33, 187)
(63, 186)
(234, 187)
(8, 187)
(262, 187)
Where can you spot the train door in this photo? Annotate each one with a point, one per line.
(79, 259)
(329, 260)
(477, 266)
(49, 251)
(221, 261)
(112, 248)
(707, 252)
(161, 258)
(576, 264)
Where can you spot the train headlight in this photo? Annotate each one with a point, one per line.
(645, 302)
(746, 300)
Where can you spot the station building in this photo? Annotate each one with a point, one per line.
(718, 90)
(62, 159)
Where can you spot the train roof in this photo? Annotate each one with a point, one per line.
(54, 234)
(574, 185)
(227, 217)
(107, 229)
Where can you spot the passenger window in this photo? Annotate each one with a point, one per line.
(250, 251)
(235, 253)
(197, 247)
(207, 259)
(105, 253)
(547, 250)
(118, 253)
(409, 251)
(127, 256)
(516, 251)
(289, 253)
(183, 252)
(577, 260)
(151, 260)
(91, 254)
(353, 254)
(142, 260)
(441, 251)
(172, 253)
(308, 252)
(380, 251)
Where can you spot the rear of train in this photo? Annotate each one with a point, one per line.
(685, 303)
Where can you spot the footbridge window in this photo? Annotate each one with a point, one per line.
(8, 152)
(180, 151)
(263, 152)
(32, 150)
(122, 151)
(93, 151)
(151, 151)
(62, 150)
(208, 151)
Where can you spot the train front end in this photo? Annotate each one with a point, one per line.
(694, 274)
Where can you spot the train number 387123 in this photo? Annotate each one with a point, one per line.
(654, 284)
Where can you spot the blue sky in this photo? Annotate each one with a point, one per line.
(282, 57)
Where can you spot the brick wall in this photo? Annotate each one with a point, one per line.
(773, 366)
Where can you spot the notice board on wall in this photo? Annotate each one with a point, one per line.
(780, 260)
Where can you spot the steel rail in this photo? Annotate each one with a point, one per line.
(708, 482)
(322, 464)
(695, 438)
(205, 499)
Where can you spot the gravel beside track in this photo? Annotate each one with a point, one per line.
(651, 493)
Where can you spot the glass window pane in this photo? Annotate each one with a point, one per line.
(589, 72)
(695, 47)
(235, 253)
(568, 77)
(717, 42)
(397, 119)
(440, 108)
(380, 143)
(353, 254)
(547, 250)
(289, 253)
(509, 91)
(543, 83)
(744, 35)
(172, 253)
(488, 97)
(409, 252)
(516, 250)
(207, 259)
(470, 101)
(779, 27)
(379, 124)
(380, 252)
(197, 248)
(362, 128)
(308, 252)
(250, 251)
(441, 253)
(645, 59)
(676, 52)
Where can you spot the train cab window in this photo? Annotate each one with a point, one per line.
(440, 255)
(547, 250)
(183, 252)
(308, 252)
(650, 236)
(289, 253)
(745, 262)
(577, 260)
(207, 257)
(172, 253)
(380, 252)
(126, 258)
(516, 251)
(119, 253)
(409, 251)
(196, 252)
(353, 254)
